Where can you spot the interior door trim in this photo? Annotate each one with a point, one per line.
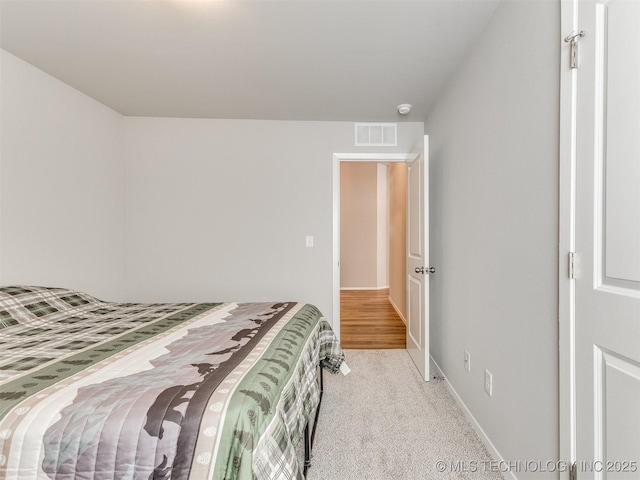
(566, 240)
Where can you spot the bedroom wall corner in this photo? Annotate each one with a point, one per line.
(61, 185)
(494, 230)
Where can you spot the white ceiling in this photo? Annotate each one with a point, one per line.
(352, 60)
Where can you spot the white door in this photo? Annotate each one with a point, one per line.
(418, 258)
(607, 241)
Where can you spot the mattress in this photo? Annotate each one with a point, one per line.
(101, 390)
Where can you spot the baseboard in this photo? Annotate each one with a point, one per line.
(395, 307)
(474, 423)
(363, 288)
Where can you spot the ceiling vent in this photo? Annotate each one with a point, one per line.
(376, 134)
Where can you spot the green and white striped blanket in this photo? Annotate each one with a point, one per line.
(99, 390)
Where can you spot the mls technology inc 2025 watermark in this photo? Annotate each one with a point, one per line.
(536, 466)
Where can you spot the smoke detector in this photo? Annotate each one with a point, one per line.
(404, 109)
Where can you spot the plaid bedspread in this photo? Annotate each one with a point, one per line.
(93, 389)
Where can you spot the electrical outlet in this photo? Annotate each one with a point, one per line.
(309, 241)
(488, 383)
(467, 361)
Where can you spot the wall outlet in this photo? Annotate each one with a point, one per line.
(488, 383)
(309, 241)
(467, 361)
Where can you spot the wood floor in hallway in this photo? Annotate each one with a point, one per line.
(368, 321)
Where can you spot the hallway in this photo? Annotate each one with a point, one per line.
(368, 321)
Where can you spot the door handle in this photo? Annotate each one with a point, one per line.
(425, 270)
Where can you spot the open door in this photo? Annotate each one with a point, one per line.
(418, 269)
(607, 241)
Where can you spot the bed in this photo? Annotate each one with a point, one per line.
(100, 390)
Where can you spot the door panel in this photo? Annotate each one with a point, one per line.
(607, 241)
(418, 258)
(414, 208)
(414, 330)
(617, 387)
(618, 141)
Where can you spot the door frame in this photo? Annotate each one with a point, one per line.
(566, 237)
(351, 157)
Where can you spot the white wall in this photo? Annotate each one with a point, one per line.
(219, 209)
(382, 260)
(494, 233)
(363, 225)
(215, 209)
(397, 232)
(359, 225)
(61, 185)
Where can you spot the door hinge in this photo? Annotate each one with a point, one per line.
(573, 471)
(573, 40)
(572, 265)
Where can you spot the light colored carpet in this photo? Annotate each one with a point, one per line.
(383, 422)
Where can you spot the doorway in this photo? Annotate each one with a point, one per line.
(373, 214)
(418, 269)
(338, 158)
